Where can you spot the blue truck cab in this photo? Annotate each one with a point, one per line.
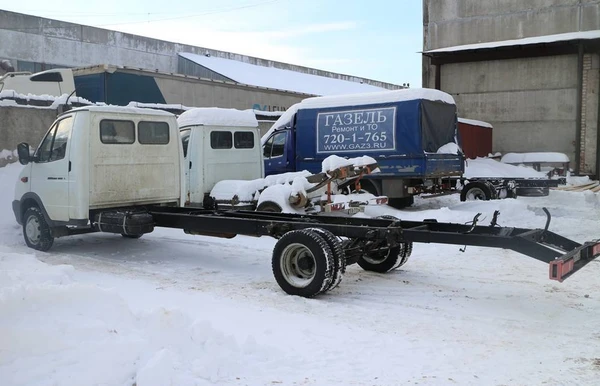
(404, 130)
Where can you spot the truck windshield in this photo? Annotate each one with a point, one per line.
(54, 145)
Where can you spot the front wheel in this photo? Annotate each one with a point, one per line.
(36, 230)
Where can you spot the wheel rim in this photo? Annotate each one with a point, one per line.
(298, 265)
(32, 230)
(377, 254)
(476, 194)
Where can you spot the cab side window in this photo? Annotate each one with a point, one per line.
(114, 131)
(54, 145)
(275, 146)
(221, 140)
(243, 139)
(153, 133)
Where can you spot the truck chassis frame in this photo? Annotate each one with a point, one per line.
(312, 251)
(563, 255)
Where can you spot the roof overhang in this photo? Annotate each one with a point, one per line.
(548, 45)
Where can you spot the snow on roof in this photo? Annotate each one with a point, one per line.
(387, 96)
(269, 113)
(518, 158)
(271, 77)
(584, 35)
(122, 110)
(171, 106)
(215, 116)
(487, 167)
(475, 122)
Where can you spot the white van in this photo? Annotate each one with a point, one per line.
(55, 82)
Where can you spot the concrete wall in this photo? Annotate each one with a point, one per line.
(23, 124)
(450, 23)
(532, 102)
(198, 93)
(531, 110)
(31, 38)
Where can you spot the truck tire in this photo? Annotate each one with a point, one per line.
(402, 202)
(269, 206)
(477, 191)
(36, 230)
(533, 192)
(339, 264)
(303, 263)
(130, 236)
(380, 257)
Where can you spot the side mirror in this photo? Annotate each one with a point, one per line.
(23, 152)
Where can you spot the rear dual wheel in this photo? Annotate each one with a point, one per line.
(308, 262)
(380, 257)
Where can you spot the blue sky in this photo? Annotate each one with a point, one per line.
(376, 39)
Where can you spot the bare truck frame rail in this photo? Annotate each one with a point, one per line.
(312, 252)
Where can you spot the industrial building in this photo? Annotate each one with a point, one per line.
(530, 68)
(108, 63)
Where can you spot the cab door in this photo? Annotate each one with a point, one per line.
(188, 164)
(277, 154)
(50, 170)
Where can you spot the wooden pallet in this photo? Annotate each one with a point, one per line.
(594, 186)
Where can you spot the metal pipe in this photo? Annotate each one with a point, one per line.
(597, 172)
(579, 107)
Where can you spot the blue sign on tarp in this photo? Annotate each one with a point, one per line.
(364, 130)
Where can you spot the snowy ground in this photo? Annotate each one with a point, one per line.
(173, 309)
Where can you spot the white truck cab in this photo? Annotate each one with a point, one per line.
(218, 144)
(54, 82)
(93, 159)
